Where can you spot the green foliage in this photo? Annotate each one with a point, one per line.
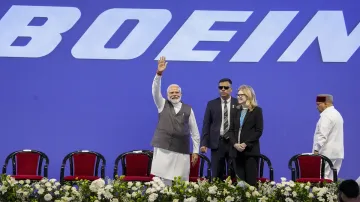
(118, 190)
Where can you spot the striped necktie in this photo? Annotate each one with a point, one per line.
(226, 115)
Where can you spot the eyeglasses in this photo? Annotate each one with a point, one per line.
(224, 87)
(241, 95)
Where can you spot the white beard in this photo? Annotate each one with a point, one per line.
(174, 101)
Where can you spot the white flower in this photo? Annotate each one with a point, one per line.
(153, 197)
(241, 184)
(229, 199)
(256, 193)
(263, 199)
(156, 179)
(212, 199)
(41, 191)
(47, 197)
(212, 189)
(97, 184)
(108, 195)
(191, 199)
(288, 200)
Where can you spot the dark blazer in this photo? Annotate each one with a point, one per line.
(212, 122)
(250, 133)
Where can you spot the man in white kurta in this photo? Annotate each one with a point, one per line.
(329, 134)
(169, 164)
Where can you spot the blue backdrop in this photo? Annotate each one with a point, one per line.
(79, 75)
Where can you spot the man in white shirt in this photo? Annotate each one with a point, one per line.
(329, 134)
(176, 125)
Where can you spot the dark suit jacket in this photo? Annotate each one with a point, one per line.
(212, 122)
(250, 133)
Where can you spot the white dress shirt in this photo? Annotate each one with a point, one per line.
(228, 103)
(329, 134)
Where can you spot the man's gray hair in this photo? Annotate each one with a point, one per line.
(168, 89)
(329, 98)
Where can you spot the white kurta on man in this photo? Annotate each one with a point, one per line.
(172, 137)
(329, 138)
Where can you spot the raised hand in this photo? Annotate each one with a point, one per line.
(162, 64)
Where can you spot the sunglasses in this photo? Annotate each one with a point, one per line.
(224, 87)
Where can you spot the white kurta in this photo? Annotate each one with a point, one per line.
(168, 164)
(329, 138)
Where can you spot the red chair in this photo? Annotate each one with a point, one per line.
(262, 160)
(310, 168)
(197, 170)
(136, 165)
(27, 164)
(84, 165)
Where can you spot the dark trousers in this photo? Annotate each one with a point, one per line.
(220, 159)
(246, 168)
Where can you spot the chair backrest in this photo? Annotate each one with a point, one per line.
(262, 160)
(27, 162)
(135, 163)
(84, 162)
(197, 170)
(308, 165)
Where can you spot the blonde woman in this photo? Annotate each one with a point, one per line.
(247, 128)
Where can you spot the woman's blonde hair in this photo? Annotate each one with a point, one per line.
(249, 92)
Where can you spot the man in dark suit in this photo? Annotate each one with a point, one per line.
(215, 131)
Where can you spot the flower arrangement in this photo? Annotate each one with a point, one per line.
(118, 190)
